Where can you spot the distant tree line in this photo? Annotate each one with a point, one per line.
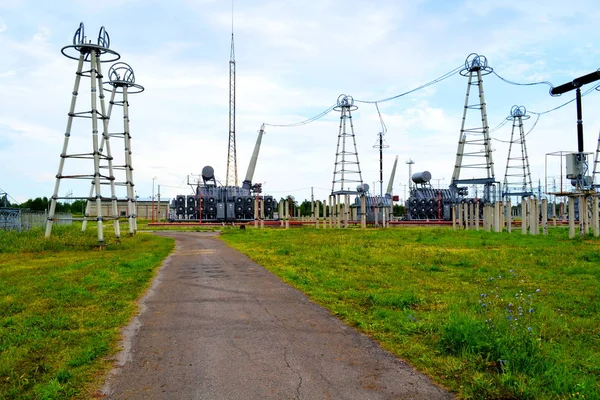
(43, 203)
(306, 210)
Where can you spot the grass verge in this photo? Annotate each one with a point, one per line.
(487, 315)
(62, 304)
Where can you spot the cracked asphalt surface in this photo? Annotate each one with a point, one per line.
(216, 325)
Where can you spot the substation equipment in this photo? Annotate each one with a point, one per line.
(583, 200)
(212, 202)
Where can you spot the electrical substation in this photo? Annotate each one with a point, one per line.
(473, 194)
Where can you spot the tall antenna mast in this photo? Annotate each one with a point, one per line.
(232, 177)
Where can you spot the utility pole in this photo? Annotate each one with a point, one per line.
(312, 203)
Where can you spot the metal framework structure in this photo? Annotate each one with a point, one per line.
(85, 51)
(474, 150)
(346, 167)
(232, 176)
(517, 177)
(122, 83)
(596, 162)
(580, 177)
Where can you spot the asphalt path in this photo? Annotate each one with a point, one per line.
(216, 325)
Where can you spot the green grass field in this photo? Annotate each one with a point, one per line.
(62, 304)
(487, 315)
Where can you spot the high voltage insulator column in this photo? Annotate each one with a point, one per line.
(84, 51)
(517, 183)
(474, 150)
(346, 171)
(232, 178)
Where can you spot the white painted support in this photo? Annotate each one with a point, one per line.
(509, 216)
(497, 217)
(571, 217)
(545, 216)
(453, 217)
(595, 217)
(363, 211)
(470, 216)
(524, 216)
(582, 212)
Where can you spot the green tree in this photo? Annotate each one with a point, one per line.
(399, 210)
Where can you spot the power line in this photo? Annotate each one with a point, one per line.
(306, 121)
(436, 80)
(524, 84)
(597, 87)
(539, 114)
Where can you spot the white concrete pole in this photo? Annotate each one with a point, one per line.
(363, 211)
(571, 216)
(524, 216)
(508, 216)
(545, 216)
(582, 212)
(453, 216)
(595, 218)
(262, 213)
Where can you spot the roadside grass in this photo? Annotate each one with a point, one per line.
(62, 304)
(144, 225)
(487, 315)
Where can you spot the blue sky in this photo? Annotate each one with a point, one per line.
(293, 60)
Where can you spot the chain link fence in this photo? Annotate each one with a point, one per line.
(18, 219)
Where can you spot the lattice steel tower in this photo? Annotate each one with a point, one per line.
(595, 171)
(347, 167)
(122, 83)
(86, 52)
(474, 150)
(517, 178)
(232, 177)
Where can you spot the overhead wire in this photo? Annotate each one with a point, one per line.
(436, 80)
(539, 114)
(523, 84)
(306, 121)
(328, 110)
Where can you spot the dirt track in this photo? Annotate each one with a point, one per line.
(218, 326)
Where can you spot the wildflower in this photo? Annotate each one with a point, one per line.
(492, 278)
(537, 290)
(511, 271)
(499, 276)
(483, 305)
(483, 295)
(529, 328)
(530, 310)
(520, 309)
